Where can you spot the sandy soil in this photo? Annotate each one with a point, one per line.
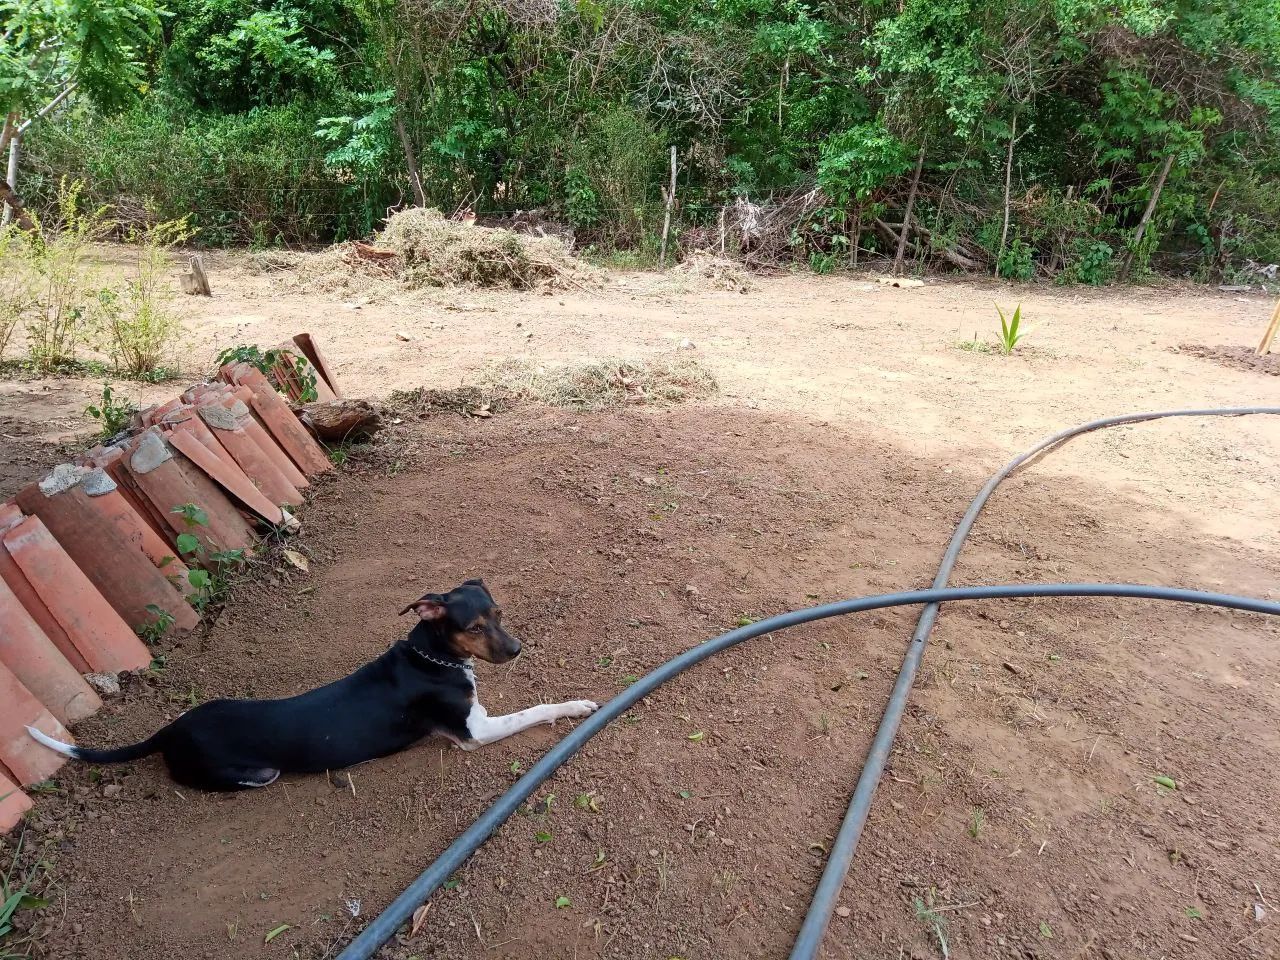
(851, 432)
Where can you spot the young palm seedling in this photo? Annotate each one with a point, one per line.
(1011, 332)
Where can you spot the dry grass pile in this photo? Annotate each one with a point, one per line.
(719, 273)
(258, 262)
(469, 401)
(580, 386)
(422, 248)
(607, 383)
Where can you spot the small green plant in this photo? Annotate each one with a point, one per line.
(212, 580)
(823, 263)
(562, 902)
(1011, 332)
(977, 820)
(1017, 261)
(266, 361)
(112, 412)
(154, 631)
(16, 895)
(1046, 931)
(935, 923)
(1094, 264)
(977, 345)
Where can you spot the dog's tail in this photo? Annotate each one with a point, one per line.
(123, 754)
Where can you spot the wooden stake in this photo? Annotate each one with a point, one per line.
(1265, 346)
(666, 222)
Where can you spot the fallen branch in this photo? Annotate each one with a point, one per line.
(963, 259)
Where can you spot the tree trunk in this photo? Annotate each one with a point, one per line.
(906, 217)
(666, 221)
(11, 206)
(10, 127)
(855, 238)
(11, 181)
(1008, 180)
(410, 161)
(1146, 217)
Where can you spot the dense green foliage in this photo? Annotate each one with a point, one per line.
(303, 120)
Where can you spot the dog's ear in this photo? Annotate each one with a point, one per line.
(429, 607)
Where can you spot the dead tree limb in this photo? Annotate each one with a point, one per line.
(961, 258)
(666, 221)
(906, 216)
(1146, 217)
(1008, 181)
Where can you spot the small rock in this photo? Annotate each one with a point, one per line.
(691, 590)
(401, 335)
(1258, 913)
(106, 684)
(112, 790)
(1012, 668)
(843, 911)
(1004, 624)
(340, 780)
(688, 345)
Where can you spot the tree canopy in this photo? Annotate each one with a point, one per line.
(1072, 138)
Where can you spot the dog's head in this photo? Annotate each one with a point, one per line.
(469, 620)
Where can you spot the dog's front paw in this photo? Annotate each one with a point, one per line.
(578, 708)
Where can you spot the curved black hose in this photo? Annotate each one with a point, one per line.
(837, 868)
(401, 909)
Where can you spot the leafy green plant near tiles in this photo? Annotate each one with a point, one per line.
(214, 577)
(113, 412)
(265, 362)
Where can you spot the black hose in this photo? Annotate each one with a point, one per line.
(401, 909)
(837, 868)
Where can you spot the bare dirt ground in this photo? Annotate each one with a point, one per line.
(849, 436)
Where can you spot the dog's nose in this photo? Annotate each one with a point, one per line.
(515, 646)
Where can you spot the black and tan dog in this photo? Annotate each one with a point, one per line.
(423, 685)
